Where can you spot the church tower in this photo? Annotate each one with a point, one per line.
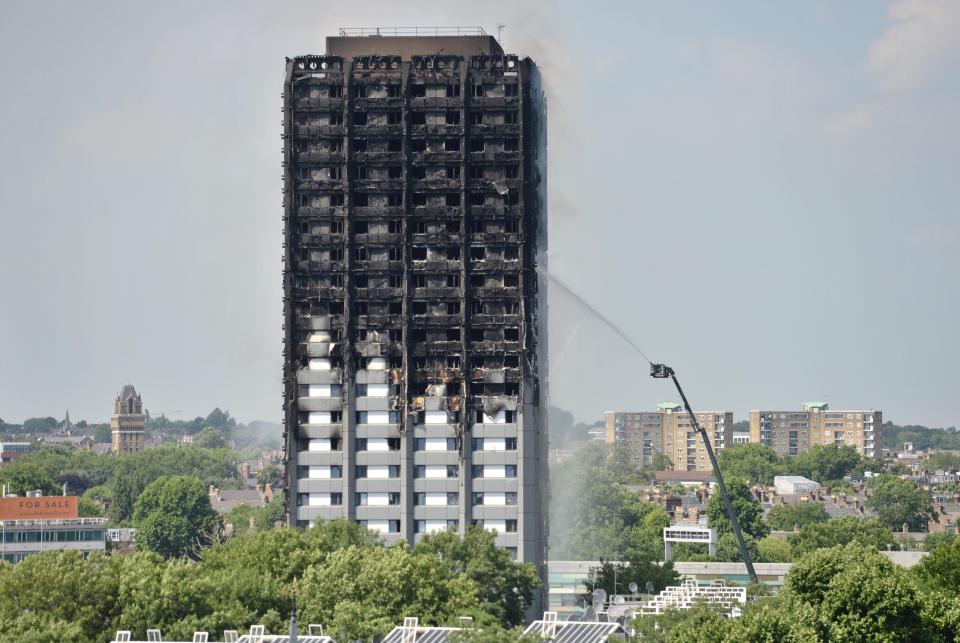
(128, 422)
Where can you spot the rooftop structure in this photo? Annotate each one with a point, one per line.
(415, 326)
(697, 533)
(794, 485)
(717, 595)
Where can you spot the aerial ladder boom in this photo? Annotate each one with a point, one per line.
(662, 371)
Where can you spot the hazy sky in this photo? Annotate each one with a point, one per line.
(764, 195)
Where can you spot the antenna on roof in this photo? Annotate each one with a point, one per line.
(500, 27)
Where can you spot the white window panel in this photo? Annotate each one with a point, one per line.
(319, 444)
(319, 337)
(377, 390)
(376, 364)
(494, 471)
(319, 500)
(319, 364)
(318, 390)
(495, 525)
(383, 526)
(433, 526)
(319, 471)
(435, 417)
(435, 499)
(494, 499)
(376, 417)
(319, 417)
(436, 471)
(377, 444)
(435, 444)
(378, 471)
(494, 444)
(377, 498)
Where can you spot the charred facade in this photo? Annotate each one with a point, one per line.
(415, 322)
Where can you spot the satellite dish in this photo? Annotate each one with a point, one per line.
(619, 600)
(633, 588)
(573, 617)
(597, 606)
(589, 615)
(649, 587)
(629, 613)
(600, 595)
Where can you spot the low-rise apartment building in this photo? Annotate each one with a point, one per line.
(669, 431)
(793, 432)
(33, 524)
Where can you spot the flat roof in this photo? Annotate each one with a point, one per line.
(408, 46)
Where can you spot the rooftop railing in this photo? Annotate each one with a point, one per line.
(352, 32)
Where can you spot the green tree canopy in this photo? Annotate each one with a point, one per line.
(102, 433)
(754, 463)
(898, 502)
(749, 511)
(774, 550)
(822, 463)
(210, 438)
(841, 531)
(594, 515)
(174, 517)
(40, 425)
(22, 476)
(787, 517)
(366, 591)
(504, 588)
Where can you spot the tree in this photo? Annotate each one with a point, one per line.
(841, 531)
(728, 549)
(788, 517)
(220, 419)
(661, 462)
(935, 540)
(59, 596)
(615, 577)
(593, 515)
(22, 476)
(749, 511)
(269, 475)
(774, 550)
(505, 588)
(366, 591)
(859, 595)
(174, 517)
(102, 433)
(210, 438)
(40, 425)
(755, 463)
(828, 462)
(700, 623)
(898, 502)
(941, 568)
(945, 461)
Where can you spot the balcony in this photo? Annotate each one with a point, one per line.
(318, 103)
(312, 131)
(436, 130)
(377, 155)
(393, 185)
(378, 131)
(433, 102)
(319, 157)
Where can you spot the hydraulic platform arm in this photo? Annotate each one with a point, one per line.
(662, 371)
